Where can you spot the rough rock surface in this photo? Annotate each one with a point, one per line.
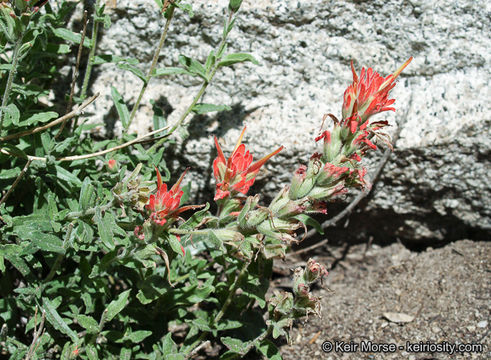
(436, 186)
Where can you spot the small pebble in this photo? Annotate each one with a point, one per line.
(482, 324)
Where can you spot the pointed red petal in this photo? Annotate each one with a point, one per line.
(257, 165)
(159, 178)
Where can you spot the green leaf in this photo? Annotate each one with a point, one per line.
(235, 345)
(88, 323)
(168, 345)
(39, 118)
(269, 350)
(11, 115)
(169, 71)
(193, 66)
(47, 242)
(115, 307)
(91, 352)
(206, 108)
(175, 244)
(307, 220)
(136, 71)
(231, 59)
(105, 229)
(71, 36)
(67, 176)
(125, 354)
(109, 58)
(121, 107)
(55, 319)
(138, 336)
(87, 195)
(185, 7)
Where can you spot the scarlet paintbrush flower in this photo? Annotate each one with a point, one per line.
(236, 175)
(164, 205)
(368, 94)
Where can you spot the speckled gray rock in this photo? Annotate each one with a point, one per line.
(437, 184)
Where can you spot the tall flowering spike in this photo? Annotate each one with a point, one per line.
(237, 173)
(368, 94)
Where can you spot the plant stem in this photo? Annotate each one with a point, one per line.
(75, 73)
(60, 257)
(66, 117)
(93, 45)
(200, 93)
(10, 80)
(19, 177)
(226, 304)
(152, 66)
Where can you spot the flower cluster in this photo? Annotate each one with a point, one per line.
(237, 173)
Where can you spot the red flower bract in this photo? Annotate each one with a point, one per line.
(236, 175)
(165, 203)
(369, 93)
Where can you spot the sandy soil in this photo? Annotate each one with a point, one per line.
(436, 296)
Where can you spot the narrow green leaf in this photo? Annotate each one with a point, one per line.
(136, 71)
(67, 176)
(55, 319)
(2, 264)
(125, 354)
(206, 108)
(115, 307)
(269, 350)
(71, 36)
(47, 242)
(87, 194)
(231, 59)
(169, 71)
(104, 228)
(235, 345)
(175, 244)
(138, 336)
(307, 220)
(121, 107)
(11, 115)
(88, 323)
(39, 118)
(193, 66)
(91, 352)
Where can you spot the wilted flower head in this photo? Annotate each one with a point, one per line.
(236, 174)
(368, 94)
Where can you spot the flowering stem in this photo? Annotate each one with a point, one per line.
(200, 93)
(152, 66)
(93, 45)
(10, 80)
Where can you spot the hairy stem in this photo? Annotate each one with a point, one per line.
(200, 93)
(10, 80)
(152, 66)
(223, 310)
(60, 257)
(93, 45)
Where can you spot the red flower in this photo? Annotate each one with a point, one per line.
(236, 175)
(368, 94)
(111, 164)
(164, 205)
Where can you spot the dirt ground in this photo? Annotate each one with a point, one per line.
(392, 295)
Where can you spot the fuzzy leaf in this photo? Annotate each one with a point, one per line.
(307, 220)
(115, 307)
(88, 323)
(231, 59)
(121, 107)
(206, 108)
(56, 320)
